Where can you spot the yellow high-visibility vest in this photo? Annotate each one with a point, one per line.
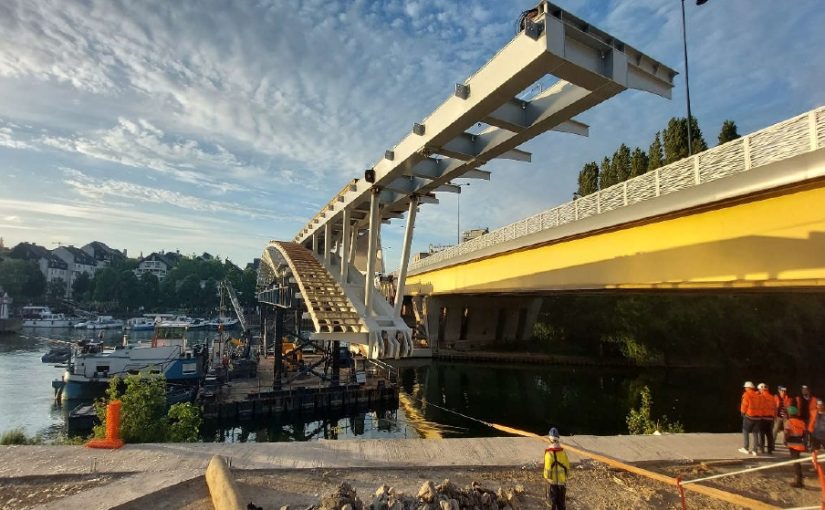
(556, 466)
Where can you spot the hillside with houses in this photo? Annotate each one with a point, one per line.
(98, 277)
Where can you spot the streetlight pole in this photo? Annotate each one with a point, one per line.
(458, 212)
(687, 76)
(687, 81)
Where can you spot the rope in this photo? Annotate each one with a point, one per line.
(750, 470)
(700, 489)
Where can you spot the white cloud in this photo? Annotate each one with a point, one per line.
(99, 190)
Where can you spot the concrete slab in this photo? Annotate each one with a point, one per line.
(17, 461)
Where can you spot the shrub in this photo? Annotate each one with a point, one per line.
(639, 420)
(17, 436)
(143, 417)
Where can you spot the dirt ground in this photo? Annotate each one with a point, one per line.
(591, 486)
(31, 492)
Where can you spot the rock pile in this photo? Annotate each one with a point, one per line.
(444, 496)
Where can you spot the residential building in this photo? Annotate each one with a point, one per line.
(157, 263)
(104, 255)
(78, 261)
(52, 266)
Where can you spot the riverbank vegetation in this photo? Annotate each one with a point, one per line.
(143, 413)
(640, 420)
(779, 329)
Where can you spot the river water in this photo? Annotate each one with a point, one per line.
(577, 400)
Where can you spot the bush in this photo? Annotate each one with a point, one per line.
(143, 417)
(184, 423)
(17, 436)
(639, 420)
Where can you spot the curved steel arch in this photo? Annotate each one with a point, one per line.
(328, 306)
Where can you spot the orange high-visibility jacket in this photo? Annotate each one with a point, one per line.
(795, 434)
(767, 406)
(782, 403)
(750, 405)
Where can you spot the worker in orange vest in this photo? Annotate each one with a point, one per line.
(795, 432)
(556, 468)
(816, 427)
(781, 403)
(749, 409)
(806, 403)
(767, 411)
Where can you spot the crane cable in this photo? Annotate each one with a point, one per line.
(712, 492)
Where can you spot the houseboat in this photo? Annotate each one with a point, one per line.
(93, 365)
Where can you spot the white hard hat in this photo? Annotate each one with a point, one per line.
(762, 386)
(749, 384)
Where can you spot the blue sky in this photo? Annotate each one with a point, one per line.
(216, 126)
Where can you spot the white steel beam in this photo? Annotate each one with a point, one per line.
(405, 256)
(372, 249)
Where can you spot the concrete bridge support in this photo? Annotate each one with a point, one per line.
(470, 322)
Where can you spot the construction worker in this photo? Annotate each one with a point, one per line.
(806, 403)
(749, 409)
(781, 402)
(795, 433)
(816, 427)
(766, 415)
(556, 467)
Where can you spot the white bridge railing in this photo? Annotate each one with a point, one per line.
(792, 137)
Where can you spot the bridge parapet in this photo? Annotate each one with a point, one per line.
(793, 137)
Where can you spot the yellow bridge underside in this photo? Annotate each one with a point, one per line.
(764, 242)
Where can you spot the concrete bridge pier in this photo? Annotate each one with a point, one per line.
(465, 322)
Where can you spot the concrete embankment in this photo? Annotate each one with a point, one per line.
(151, 467)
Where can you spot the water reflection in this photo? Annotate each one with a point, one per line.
(578, 400)
(386, 424)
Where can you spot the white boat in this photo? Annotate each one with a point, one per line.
(92, 365)
(140, 324)
(42, 317)
(104, 322)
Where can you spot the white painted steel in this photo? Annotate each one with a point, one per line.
(775, 143)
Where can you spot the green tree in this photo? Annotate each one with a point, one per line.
(638, 162)
(675, 139)
(606, 176)
(82, 287)
(728, 132)
(128, 290)
(189, 292)
(149, 290)
(106, 285)
(620, 164)
(56, 291)
(22, 279)
(656, 157)
(588, 179)
(246, 290)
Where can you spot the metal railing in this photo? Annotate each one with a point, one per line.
(792, 137)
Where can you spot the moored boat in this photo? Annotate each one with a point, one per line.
(104, 322)
(42, 317)
(140, 324)
(93, 365)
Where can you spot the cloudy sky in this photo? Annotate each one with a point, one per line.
(216, 126)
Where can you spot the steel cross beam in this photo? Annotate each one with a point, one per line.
(591, 65)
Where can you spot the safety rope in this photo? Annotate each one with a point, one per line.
(700, 489)
(750, 470)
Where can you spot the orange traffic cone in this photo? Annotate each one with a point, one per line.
(112, 439)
